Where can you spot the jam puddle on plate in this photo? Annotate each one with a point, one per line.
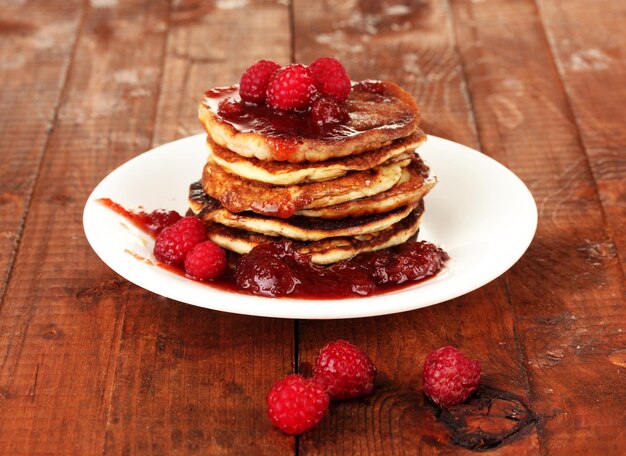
(276, 269)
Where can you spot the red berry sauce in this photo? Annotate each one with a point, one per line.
(230, 109)
(278, 124)
(276, 269)
(151, 222)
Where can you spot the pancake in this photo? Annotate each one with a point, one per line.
(285, 173)
(380, 112)
(326, 251)
(299, 228)
(413, 185)
(238, 195)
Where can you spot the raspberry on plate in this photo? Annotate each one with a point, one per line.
(254, 81)
(296, 404)
(345, 370)
(177, 240)
(157, 221)
(331, 78)
(291, 88)
(450, 377)
(206, 261)
(327, 111)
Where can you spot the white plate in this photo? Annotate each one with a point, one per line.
(480, 213)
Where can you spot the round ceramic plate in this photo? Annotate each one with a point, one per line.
(479, 212)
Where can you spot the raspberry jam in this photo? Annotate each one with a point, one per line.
(370, 106)
(276, 269)
(287, 126)
(151, 222)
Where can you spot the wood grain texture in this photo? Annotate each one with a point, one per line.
(90, 364)
(190, 380)
(591, 63)
(413, 44)
(567, 291)
(61, 319)
(36, 44)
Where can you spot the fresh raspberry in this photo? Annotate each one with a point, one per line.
(174, 242)
(206, 261)
(269, 269)
(254, 81)
(450, 377)
(327, 111)
(229, 108)
(157, 221)
(296, 404)
(410, 262)
(291, 88)
(331, 78)
(345, 370)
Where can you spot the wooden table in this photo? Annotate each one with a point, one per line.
(91, 364)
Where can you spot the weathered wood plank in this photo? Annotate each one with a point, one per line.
(189, 380)
(36, 44)
(588, 39)
(413, 44)
(61, 318)
(568, 290)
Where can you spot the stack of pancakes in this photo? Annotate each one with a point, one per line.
(336, 190)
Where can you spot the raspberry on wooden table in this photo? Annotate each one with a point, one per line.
(345, 370)
(291, 88)
(174, 243)
(331, 78)
(254, 81)
(450, 377)
(296, 404)
(206, 261)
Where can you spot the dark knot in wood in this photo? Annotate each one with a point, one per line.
(489, 419)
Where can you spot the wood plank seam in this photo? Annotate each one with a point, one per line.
(523, 361)
(464, 88)
(522, 357)
(111, 383)
(62, 93)
(568, 97)
(161, 65)
(292, 33)
(296, 322)
(122, 319)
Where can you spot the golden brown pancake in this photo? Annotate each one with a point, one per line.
(300, 228)
(376, 119)
(326, 251)
(238, 195)
(285, 173)
(414, 184)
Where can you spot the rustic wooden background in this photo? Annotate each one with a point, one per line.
(90, 364)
